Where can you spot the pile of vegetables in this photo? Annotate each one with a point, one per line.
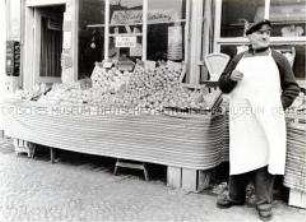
(151, 87)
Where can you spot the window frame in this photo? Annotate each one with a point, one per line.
(275, 41)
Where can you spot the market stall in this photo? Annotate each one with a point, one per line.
(145, 115)
(144, 109)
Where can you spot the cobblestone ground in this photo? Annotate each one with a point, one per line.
(83, 190)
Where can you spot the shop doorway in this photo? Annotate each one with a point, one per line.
(50, 42)
(43, 45)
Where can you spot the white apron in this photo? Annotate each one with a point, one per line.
(257, 122)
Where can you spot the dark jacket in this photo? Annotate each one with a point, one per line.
(290, 89)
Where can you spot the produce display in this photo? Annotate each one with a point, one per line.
(152, 87)
(36, 92)
(110, 80)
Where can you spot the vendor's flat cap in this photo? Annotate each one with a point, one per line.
(256, 26)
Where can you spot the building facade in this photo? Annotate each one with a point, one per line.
(62, 39)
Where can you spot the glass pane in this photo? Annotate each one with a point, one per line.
(126, 29)
(288, 17)
(235, 14)
(295, 55)
(165, 30)
(91, 40)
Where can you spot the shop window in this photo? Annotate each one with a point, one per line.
(288, 17)
(236, 13)
(126, 35)
(296, 57)
(125, 30)
(91, 40)
(166, 30)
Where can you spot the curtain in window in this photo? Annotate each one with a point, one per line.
(51, 48)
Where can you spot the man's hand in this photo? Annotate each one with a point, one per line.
(236, 75)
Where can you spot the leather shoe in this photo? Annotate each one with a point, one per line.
(225, 202)
(265, 215)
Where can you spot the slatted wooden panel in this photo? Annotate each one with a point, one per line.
(184, 141)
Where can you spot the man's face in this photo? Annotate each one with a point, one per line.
(260, 38)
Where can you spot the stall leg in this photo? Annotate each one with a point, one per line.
(145, 171)
(22, 146)
(31, 149)
(16, 146)
(189, 179)
(52, 154)
(297, 198)
(204, 179)
(174, 177)
(2, 137)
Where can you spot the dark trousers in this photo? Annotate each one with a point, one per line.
(263, 182)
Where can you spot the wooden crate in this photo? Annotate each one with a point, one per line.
(297, 198)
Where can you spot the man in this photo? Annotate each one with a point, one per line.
(260, 84)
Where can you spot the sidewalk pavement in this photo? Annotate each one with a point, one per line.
(83, 188)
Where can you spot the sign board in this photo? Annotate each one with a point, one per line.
(126, 41)
(135, 16)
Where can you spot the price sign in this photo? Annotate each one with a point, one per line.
(126, 41)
